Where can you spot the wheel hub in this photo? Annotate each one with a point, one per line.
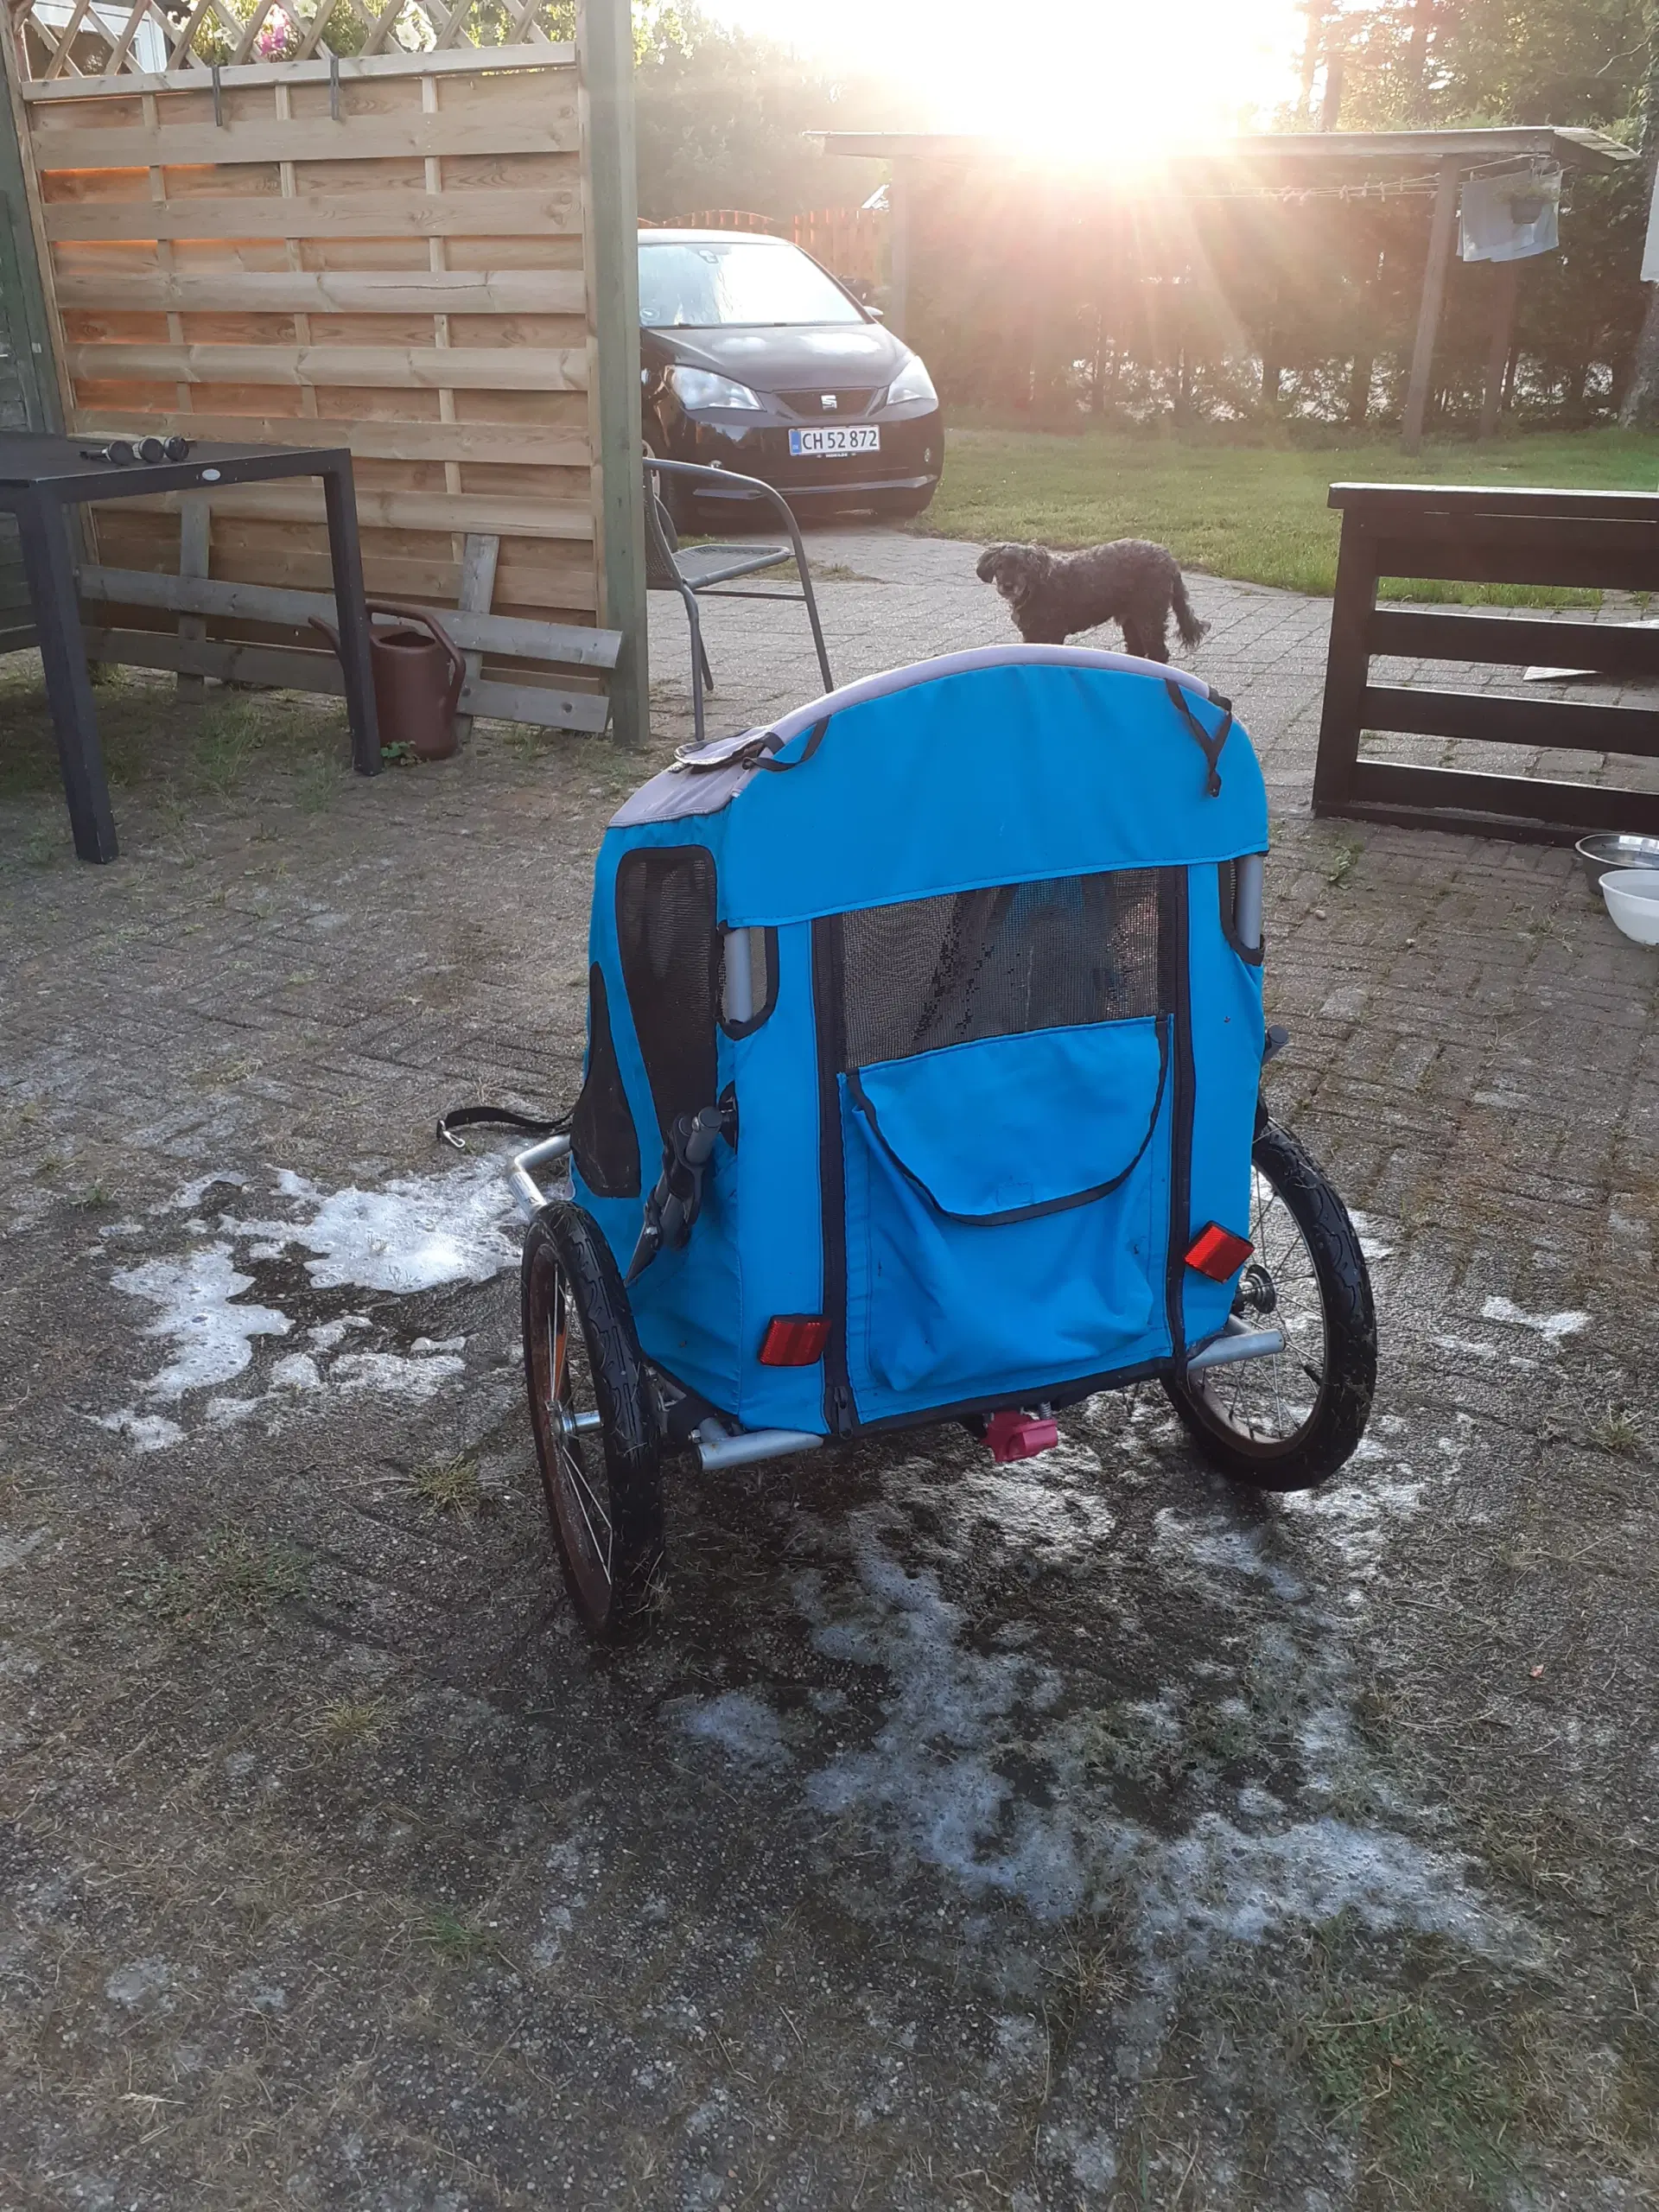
(1256, 1294)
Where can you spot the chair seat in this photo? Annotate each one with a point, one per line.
(702, 565)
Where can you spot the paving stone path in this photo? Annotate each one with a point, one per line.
(1078, 1833)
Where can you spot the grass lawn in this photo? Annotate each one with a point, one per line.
(1254, 511)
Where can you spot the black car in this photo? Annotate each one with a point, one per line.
(755, 358)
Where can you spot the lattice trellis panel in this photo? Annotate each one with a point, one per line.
(75, 39)
(384, 251)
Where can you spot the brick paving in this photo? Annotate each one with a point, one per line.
(682, 1977)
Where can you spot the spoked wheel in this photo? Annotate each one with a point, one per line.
(595, 1422)
(1287, 1421)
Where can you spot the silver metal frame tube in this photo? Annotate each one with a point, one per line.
(738, 980)
(1237, 1343)
(1246, 900)
(528, 1193)
(751, 1444)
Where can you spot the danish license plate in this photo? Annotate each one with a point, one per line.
(835, 440)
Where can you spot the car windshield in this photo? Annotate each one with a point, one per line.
(698, 286)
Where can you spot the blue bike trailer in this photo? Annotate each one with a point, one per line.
(924, 1043)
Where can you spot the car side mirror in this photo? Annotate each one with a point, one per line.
(876, 314)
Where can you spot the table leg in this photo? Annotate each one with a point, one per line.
(346, 557)
(49, 566)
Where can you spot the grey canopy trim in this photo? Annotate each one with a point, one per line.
(708, 779)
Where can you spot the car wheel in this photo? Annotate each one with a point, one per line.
(904, 507)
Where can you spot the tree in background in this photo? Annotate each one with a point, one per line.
(1640, 411)
(721, 118)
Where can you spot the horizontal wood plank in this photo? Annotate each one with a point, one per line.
(430, 368)
(520, 444)
(514, 635)
(1611, 648)
(545, 709)
(1402, 505)
(326, 291)
(550, 128)
(387, 214)
(287, 666)
(1498, 562)
(455, 512)
(1416, 793)
(471, 61)
(290, 668)
(1617, 537)
(1497, 718)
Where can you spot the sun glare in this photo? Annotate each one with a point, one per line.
(1087, 78)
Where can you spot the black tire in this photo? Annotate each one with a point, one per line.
(904, 507)
(1323, 1296)
(602, 1479)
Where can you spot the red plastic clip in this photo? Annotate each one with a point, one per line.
(1218, 1254)
(1013, 1435)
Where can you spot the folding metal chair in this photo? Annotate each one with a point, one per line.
(699, 571)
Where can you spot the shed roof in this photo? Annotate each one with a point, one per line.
(1340, 152)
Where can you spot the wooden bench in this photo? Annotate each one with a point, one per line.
(1603, 540)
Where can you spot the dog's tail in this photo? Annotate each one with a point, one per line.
(1186, 620)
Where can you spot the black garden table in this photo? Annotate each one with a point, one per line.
(42, 478)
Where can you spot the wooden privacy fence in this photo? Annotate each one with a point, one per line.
(850, 242)
(390, 251)
(1607, 540)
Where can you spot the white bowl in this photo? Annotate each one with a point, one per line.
(1632, 896)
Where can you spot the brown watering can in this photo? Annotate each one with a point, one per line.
(418, 678)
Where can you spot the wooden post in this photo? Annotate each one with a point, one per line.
(1498, 357)
(1441, 231)
(611, 229)
(478, 564)
(899, 191)
(1347, 662)
(20, 212)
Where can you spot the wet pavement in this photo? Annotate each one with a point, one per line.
(1079, 1832)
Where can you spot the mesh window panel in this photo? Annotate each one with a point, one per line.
(606, 1149)
(665, 930)
(993, 964)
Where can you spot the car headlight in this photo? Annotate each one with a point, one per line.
(913, 382)
(703, 387)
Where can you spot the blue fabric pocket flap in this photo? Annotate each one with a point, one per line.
(1012, 1126)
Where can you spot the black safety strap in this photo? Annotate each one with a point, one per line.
(814, 738)
(1211, 745)
(503, 1117)
(758, 754)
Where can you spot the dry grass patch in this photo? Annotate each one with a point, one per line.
(449, 1485)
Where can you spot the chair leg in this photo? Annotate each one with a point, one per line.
(708, 673)
(699, 660)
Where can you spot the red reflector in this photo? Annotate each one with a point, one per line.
(1218, 1253)
(794, 1340)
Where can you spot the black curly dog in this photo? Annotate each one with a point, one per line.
(1131, 582)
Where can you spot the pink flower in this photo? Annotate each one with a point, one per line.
(275, 37)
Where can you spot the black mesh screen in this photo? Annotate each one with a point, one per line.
(665, 930)
(992, 964)
(601, 1129)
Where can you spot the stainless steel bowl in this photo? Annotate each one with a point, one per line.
(1613, 848)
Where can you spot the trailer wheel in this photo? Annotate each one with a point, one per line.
(1287, 1421)
(594, 1413)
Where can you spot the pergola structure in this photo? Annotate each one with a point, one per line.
(1434, 163)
